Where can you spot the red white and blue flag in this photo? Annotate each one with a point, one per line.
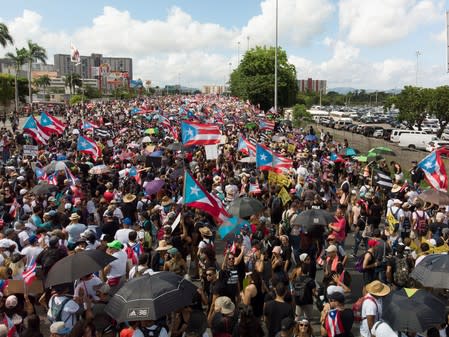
(333, 323)
(88, 146)
(434, 170)
(246, 147)
(89, 126)
(271, 161)
(194, 133)
(39, 133)
(52, 123)
(266, 124)
(197, 197)
(29, 275)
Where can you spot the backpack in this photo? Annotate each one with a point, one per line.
(285, 223)
(357, 307)
(401, 275)
(421, 224)
(55, 311)
(393, 223)
(299, 288)
(151, 333)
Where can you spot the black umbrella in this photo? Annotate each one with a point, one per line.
(413, 310)
(245, 207)
(433, 271)
(312, 218)
(175, 147)
(74, 266)
(150, 297)
(43, 188)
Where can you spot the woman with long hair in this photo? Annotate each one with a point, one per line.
(254, 293)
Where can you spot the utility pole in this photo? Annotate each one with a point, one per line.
(247, 39)
(276, 64)
(238, 53)
(418, 53)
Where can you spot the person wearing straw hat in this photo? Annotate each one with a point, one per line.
(159, 258)
(74, 230)
(372, 306)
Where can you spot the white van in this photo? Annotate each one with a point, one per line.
(396, 133)
(342, 122)
(416, 141)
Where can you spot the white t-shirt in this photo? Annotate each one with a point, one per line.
(88, 287)
(122, 235)
(118, 266)
(31, 252)
(68, 311)
(371, 307)
(382, 329)
(162, 333)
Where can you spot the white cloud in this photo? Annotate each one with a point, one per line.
(378, 22)
(298, 21)
(440, 37)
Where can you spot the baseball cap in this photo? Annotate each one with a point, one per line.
(11, 301)
(336, 296)
(331, 248)
(116, 244)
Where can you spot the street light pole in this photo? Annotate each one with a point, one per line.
(418, 53)
(276, 64)
(247, 40)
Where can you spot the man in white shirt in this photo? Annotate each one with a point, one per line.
(123, 233)
(116, 270)
(32, 248)
(372, 306)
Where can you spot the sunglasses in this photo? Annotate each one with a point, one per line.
(303, 324)
(210, 274)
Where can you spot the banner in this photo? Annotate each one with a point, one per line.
(75, 55)
(291, 148)
(211, 151)
(278, 179)
(285, 197)
(30, 150)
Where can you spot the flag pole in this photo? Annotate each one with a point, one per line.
(276, 64)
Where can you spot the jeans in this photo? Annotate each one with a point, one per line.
(358, 238)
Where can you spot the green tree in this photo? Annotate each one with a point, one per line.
(439, 106)
(7, 88)
(300, 115)
(253, 79)
(75, 99)
(19, 59)
(91, 92)
(34, 53)
(413, 104)
(43, 82)
(5, 37)
(72, 81)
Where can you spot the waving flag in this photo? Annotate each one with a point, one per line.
(74, 55)
(134, 173)
(333, 323)
(194, 133)
(52, 123)
(246, 147)
(434, 170)
(88, 146)
(197, 197)
(29, 275)
(89, 126)
(266, 124)
(35, 130)
(40, 173)
(270, 161)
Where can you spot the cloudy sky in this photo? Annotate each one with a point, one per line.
(368, 44)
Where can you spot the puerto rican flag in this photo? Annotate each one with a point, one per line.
(434, 170)
(52, 123)
(15, 206)
(197, 197)
(39, 133)
(271, 161)
(266, 124)
(194, 133)
(88, 146)
(29, 275)
(333, 324)
(246, 147)
(89, 126)
(52, 180)
(134, 173)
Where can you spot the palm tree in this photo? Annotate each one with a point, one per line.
(73, 80)
(19, 59)
(34, 53)
(43, 81)
(4, 35)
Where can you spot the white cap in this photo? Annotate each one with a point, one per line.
(397, 201)
(334, 289)
(303, 257)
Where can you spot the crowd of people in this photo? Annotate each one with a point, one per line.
(272, 277)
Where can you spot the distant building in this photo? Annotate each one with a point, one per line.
(214, 89)
(89, 65)
(313, 86)
(179, 89)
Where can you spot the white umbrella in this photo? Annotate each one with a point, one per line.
(60, 166)
(146, 139)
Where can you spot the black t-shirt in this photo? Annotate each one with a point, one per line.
(276, 312)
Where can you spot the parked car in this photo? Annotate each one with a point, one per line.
(378, 133)
(415, 141)
(436, 144)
